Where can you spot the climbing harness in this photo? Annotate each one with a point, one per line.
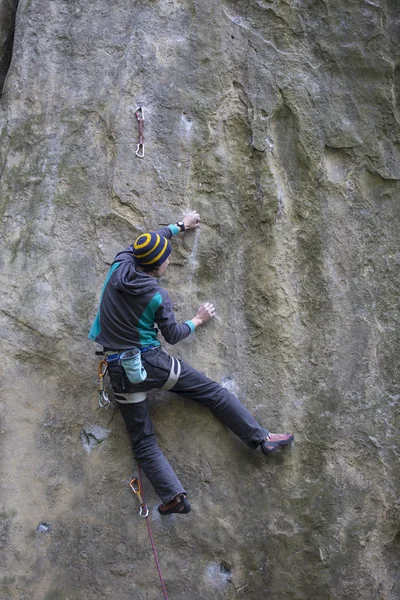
(104, 400)
(130, 398)
(139, 114)
(174, 374)
(133, 397)
(144, 512)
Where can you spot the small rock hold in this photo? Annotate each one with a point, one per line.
(218, 575)
(230, 384)
(92, 435)
(375, 441)
(270, 143)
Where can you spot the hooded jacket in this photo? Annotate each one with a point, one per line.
(133, 306)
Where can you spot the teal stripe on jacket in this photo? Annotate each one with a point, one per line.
(191, 325)
(147, 332)
(174, 229)
(95, 328)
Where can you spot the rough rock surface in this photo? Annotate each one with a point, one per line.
(279, 122)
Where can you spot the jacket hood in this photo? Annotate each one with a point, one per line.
(128, 278)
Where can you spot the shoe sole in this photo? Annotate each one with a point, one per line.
(271, 447)
(182, 508)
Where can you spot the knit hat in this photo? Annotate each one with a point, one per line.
(151, 250)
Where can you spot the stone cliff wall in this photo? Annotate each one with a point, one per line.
(279, 122)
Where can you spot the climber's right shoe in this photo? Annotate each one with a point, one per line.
(274, 441)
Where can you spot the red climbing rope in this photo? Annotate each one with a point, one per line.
(144, 512)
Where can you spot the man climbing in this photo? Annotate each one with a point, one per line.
(132, 307)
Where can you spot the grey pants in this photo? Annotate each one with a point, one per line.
(191, 384)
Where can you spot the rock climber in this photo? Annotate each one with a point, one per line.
(133, 306)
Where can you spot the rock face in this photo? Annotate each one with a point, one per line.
(279, 122)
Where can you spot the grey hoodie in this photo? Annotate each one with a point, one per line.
(133, 304)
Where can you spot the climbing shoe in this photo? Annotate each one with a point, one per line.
(274, 441)
(182, 507)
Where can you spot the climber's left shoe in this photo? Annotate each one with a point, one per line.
(274, 441)
(180, 505)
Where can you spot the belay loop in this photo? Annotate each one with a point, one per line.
(104, 401)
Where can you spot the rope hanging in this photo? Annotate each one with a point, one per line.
(144, 512)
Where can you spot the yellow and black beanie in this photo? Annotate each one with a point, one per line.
(151, 250)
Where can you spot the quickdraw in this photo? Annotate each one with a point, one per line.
(143, 510)
(139, 114)
(104, 401)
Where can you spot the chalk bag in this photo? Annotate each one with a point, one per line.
(131, 361)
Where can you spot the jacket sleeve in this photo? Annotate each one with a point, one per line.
(168, 231)
(125, 255)
(171, 331)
